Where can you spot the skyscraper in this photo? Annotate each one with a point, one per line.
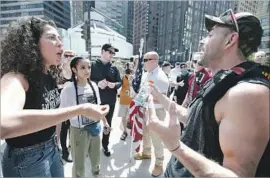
(76, 12)
(58, 11)
(263, 15)
(139, 24)
(146, 18)
(128, 20)
(181, 26)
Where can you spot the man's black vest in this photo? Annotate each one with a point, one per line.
(202, 131)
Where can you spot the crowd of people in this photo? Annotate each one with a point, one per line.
(217, 103)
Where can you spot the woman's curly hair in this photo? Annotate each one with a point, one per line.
(20, 48)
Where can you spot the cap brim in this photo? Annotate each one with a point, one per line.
(211, 21)
(115, 49)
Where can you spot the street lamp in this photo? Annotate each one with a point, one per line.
(173, 54)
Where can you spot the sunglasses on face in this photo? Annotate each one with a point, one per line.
(229, 18)
(146, 60)
(111, 52)
(195, 62)
(67, 56)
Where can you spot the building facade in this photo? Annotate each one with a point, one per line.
(113, 12)
(76, 12)
(263, 15)
(100, 34)
(145, 25)
(246, 6)
(181, 26)
(128, 21)
(58, 11)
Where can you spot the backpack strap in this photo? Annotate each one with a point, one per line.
(94, 92)
(224, 80)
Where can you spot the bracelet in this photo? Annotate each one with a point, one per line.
(175, 148)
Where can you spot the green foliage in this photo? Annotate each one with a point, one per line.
(251, 57)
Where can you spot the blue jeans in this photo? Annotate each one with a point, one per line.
(40, 160)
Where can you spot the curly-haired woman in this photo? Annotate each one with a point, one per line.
(29, 99)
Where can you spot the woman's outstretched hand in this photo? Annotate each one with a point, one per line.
(95, 111)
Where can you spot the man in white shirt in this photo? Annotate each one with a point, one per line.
(260, 57)
(160, 80)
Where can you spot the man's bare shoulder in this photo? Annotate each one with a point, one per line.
(245, 96)
(245, 91)
(249, 97)
(244, 124)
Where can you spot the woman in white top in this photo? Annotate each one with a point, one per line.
(85, 131)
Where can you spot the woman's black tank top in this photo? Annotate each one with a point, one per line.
(42, 94)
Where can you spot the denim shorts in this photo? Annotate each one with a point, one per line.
(40, 160)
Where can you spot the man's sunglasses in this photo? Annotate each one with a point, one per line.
(146, 60)
(230, 18)
(194, 61)
(111, 52)
(66, 55)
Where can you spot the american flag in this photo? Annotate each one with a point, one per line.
(138, 76)
(136, 112)
(136, 116)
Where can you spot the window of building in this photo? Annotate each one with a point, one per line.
(10, 8)
(31, 6)
(175, 40)
(35, 13)
(8, 2)
(177, 19)
(265, 21)
(168, 41)
(169, 22)
(266, 32)
(3, 22)
(17, 14)
(265, 44)
(170, 6)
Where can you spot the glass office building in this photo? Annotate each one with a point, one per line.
(58, 11)
(181, 26)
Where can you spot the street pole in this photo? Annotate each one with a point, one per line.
(190, 51)
(89, 30)
(70, 41)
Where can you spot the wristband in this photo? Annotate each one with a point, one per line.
(175, 148)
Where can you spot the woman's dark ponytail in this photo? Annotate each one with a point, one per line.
(73, 64)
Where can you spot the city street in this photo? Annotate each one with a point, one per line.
(119, 164)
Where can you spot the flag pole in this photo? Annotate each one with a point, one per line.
(133, 124)
(131, 142)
